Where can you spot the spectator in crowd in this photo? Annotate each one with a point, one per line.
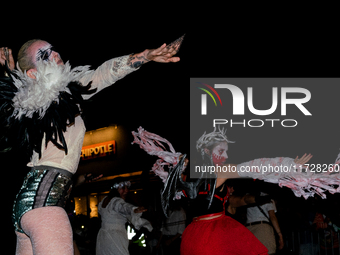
(172, 231)
(261, 220)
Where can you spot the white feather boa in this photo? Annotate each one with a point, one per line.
(36, 95)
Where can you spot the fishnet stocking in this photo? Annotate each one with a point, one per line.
(48, 231)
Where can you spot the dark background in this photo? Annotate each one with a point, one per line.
(238, 42)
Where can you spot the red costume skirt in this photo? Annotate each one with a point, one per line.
(221, 235)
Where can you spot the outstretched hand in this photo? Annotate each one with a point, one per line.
(90, 177)
(140, 210)
(6, 55)
(304, 159)
(165, 53)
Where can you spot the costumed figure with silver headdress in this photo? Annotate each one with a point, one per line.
(211, 231)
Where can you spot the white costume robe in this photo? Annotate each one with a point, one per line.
(112, 237)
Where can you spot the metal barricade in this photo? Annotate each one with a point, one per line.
(321, 242)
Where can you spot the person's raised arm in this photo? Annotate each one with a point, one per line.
(263, 167)
(117, 68)
(163, 54)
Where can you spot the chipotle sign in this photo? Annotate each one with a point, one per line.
(98, 150)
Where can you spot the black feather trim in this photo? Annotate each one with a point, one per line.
(28, 133)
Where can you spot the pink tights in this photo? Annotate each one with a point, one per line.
(48, 231)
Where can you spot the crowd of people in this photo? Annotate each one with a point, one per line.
(299, 220)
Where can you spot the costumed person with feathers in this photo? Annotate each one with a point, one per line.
(211, 231)
(40, 111)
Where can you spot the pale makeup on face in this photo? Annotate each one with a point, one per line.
(42, 50)
(219, 153)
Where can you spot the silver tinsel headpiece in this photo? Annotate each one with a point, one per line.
(207, 140)
(121, 185)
